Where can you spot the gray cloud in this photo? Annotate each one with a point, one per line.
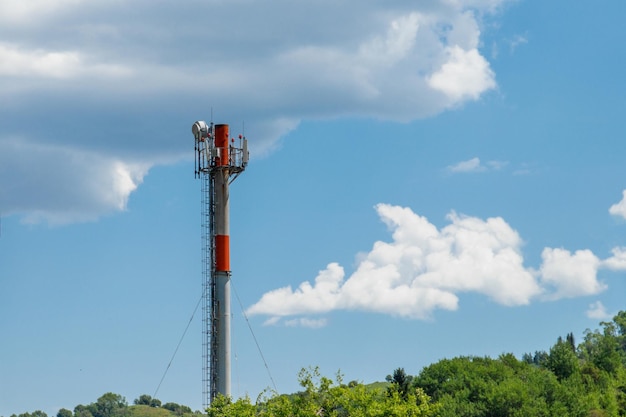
(124, 80)
(72, 185)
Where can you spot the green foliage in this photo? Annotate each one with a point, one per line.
(588, 380)
(82, 411)
(114, 405)
(147, 400)
(471, 386)
(321, 396)
(562, 360)
(177, 409)
(540, 358)
(37, 413)
(222, 406)
(583, 381)
(602, 350)
(109, 405)
(400, 383)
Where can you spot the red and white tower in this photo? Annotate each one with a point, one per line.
(218, 162)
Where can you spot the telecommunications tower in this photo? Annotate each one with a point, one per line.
(218, 162)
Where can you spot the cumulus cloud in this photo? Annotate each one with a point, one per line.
(321, 297)
(464, 75)
(597, 311)
(114, 65)
(424, 269)
(617, 262)
(619, 208)
(571, 275)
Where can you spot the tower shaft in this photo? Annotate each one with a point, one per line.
(217, 161)
(220, 349)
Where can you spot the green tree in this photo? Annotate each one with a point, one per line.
(562, 360)
(64, 412)
(143, 399)
(528, 358)
(37, 413)
(109, 405)
(570, 341)
(177, 409)
(222, 406)
(82, 411)
(146, 399)
(620, 326)
(485, 387)
(540, 358)
(602, 348)
(400, 382)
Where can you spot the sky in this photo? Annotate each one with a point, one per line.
(428, 179)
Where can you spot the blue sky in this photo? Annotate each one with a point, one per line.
(428, 179)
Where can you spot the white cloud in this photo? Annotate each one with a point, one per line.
(475, 165)
(272, 321)
(617, 262)
(597, 311)
(424, 268)
(481, 256)
(465, 75)
(471, 165)
(571, 275)
(619, 208)
(318, 298)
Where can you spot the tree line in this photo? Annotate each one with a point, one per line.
(579, 380)
(115, 405)
(584, 380)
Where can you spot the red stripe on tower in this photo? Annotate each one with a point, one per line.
(221, 143)
(222, 253)
(222, 238)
